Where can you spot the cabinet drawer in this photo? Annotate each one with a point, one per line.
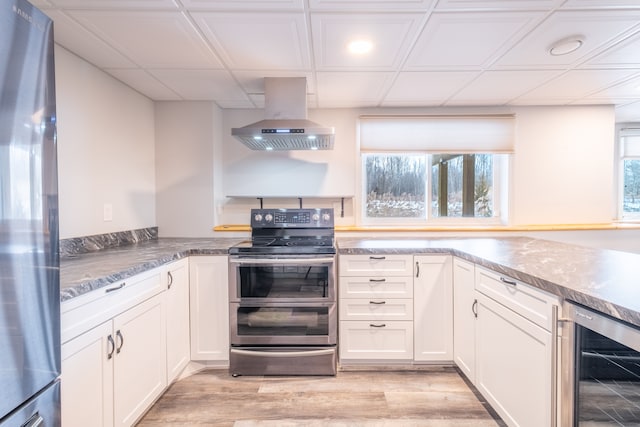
(375, 265)
(376, 309)
(534, 304)
(87, 311)
(376, 340)
(376, 287)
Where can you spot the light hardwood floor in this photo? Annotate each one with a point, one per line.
(434, 397)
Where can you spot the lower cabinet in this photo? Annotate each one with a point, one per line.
(209, 301)
(465, 306)
(433, 308)
(112, 373)
(515, 349)
(176, 276)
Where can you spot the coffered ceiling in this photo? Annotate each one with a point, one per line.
(424, 52)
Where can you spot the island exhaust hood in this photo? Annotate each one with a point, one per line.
(285, 126)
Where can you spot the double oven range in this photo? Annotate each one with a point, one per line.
(282, 295)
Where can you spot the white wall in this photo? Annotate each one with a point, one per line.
(563, 166)
(105, 151)
(185, 133)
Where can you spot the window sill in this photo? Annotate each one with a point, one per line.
(459, 228)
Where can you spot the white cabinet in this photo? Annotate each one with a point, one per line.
(87, 378)
(209, 300)
(515, 349)
(376, 308)
(176, 277)
(433, 308)
(464, 317)
(114, 371)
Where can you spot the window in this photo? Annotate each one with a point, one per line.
(445, 170)
(630, 173)
(460, 186)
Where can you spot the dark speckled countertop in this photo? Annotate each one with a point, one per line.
(83, 273)
(605, 280)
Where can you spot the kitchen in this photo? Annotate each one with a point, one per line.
(147, 163)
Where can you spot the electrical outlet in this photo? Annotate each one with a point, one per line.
(108, 212)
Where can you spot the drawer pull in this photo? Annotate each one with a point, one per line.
(378, 258)
(373, 325)
(507, 281)
(377, 280)
(377, 302)
(115, 288)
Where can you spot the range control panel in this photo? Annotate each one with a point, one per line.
(292, 218)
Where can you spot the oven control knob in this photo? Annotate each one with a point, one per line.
(326, 217)
(258, 217)
(268, 217)
(315, 217)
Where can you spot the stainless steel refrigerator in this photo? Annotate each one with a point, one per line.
(29, 255)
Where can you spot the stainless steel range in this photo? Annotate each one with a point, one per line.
(282, 293)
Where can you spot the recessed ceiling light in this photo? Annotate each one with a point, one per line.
(566, 46)
(360, 47)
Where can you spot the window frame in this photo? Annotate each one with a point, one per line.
(500, 172)
(624, 131)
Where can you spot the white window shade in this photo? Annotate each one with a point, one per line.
(438, 134)
(630, 144)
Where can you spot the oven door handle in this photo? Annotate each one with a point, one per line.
(284, 353)
(305, 261)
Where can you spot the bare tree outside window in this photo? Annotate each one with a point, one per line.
(395, 185)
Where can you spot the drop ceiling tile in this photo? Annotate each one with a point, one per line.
(600, 4)
(503, 5)
(369, 5)
(499, 87)
(151, 39)
(204, 85)
(467, 40)
(629, 89)
(351, 89)
(427, 88)
(77, 39)
(577, 84)
(116, 4)
(144, 83)
(622, 54)
(596, 28)
(390, 34)
(250, 5)
(254, 41)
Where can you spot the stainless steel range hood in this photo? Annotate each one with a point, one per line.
(286, 126)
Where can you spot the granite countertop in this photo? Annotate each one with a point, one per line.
(604, 280)
(84, 273)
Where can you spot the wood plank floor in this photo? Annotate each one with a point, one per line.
(434, 397)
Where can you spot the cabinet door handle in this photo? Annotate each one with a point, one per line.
(377, 302)
(120, 340)
(373, 325)
(35, 421)
(507, 281)
(474, 308)
(417, 269)
(170, 277)
(378, 257)
(115, 288)
(112, 346)
(377, 280)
